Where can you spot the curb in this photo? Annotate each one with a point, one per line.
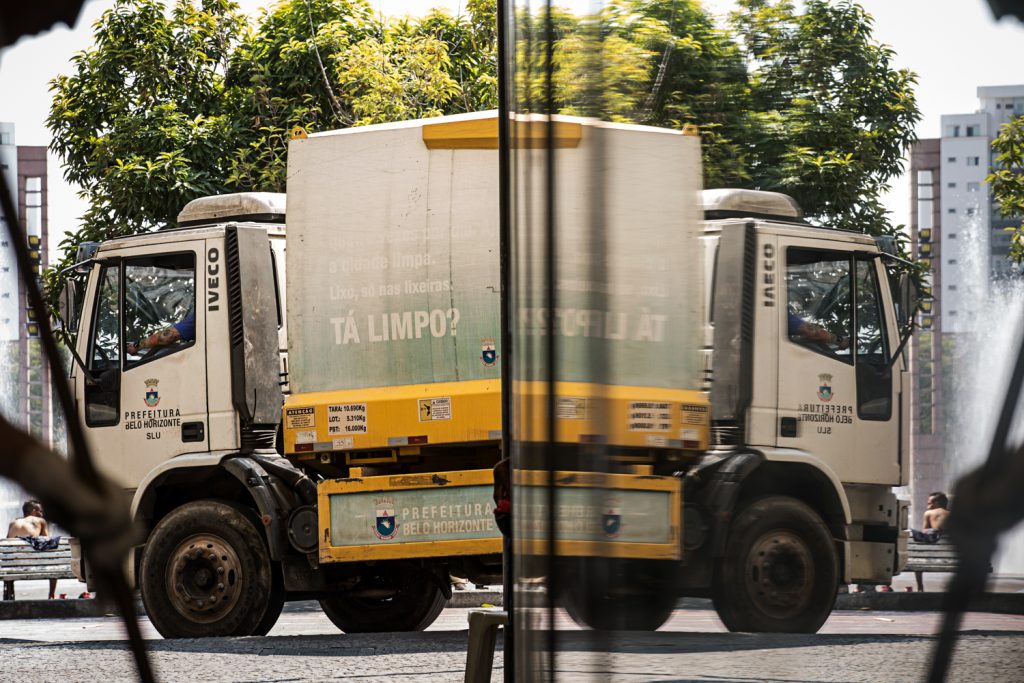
(464, 599)
(995, 603)
(74, 608)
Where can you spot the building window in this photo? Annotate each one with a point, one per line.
(952, 288)
(951, 160)
(5, 139)
(34, 205)
(973, 131)
(952, 313)
(924, 214)
(951, 210)
(973, 187)
(952, 131)
(924, 177)
(951, 185)
(951, 235)
(973, 161)
(971, 211)
(951, 261)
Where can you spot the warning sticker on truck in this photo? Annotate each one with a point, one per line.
(649, 416)
(435, 409)
(306, 436)
(693, 415)
(346, 418)
(571, 408)
(299, 418)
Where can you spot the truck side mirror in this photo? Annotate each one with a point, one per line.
(908, 299)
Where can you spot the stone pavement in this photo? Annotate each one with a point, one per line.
(872, 647)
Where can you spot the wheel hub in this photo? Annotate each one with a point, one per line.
(202, 578)
(780, 574)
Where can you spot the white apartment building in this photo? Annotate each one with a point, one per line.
(974, 242)
(8, 268)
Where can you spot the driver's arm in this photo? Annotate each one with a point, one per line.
(164, 337)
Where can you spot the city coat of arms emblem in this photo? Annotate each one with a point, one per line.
(152, 395)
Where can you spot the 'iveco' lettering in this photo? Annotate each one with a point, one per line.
(212, 279)
(769, 274)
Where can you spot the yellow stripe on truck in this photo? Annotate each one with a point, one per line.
(470, 412)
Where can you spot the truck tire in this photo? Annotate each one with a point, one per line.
(206, 572)
(628, 595)
(414, 603)
(780, 572)
(275, 603)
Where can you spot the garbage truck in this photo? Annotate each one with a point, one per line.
(301, 394)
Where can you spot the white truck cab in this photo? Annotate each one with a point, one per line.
(165, 362)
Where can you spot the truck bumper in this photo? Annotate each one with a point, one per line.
(446, 514)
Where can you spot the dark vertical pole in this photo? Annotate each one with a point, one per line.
(505, 75)
(551, 355)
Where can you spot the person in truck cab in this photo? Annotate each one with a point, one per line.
(185, 331)
(802, 331)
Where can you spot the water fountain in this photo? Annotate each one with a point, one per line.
(11, 495)
(979, 373)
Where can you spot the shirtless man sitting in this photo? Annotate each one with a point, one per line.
(934, 519)
(32, 525)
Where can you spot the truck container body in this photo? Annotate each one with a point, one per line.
(394, 298)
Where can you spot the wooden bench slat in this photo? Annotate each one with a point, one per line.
(21, 562)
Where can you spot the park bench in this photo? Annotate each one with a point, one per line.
(932, 557)
(19, 562)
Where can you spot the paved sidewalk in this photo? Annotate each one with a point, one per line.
(872, 647)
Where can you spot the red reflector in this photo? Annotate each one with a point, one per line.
(414, 440)
(691, 444)
(303, 447)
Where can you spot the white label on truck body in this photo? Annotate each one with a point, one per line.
(346, 418)
(650, 416)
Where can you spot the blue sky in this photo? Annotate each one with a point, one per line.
(953, 45)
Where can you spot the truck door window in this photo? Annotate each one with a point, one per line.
(102, 399)
(819, 302)
(159, 306)
(874, 381)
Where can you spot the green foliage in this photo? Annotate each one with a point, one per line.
(1007, 180)
(141, 125)
(169, 106)
(831, 117)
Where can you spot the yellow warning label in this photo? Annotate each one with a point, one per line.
(298, 418)
(435, 409)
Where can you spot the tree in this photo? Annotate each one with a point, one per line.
(168, 107)
(142, 124)
(831, 117)
(1007, 179)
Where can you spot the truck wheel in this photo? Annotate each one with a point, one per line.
(408, 601)
(206, 572)
(640, 597)
(275, 603)
(780, 571)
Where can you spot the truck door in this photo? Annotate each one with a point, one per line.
(835, 388)
(143, 344)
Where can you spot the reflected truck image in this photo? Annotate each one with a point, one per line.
(302, 395)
